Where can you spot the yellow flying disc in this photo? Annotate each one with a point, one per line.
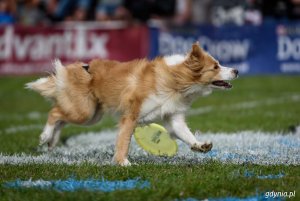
(156, 140)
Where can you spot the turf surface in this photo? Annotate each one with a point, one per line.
(255, 103)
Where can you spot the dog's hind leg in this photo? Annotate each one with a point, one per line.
(56, 134)
(52, 126)
(58, 119)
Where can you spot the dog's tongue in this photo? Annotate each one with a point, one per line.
(221, 83)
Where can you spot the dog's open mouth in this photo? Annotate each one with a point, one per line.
(222, 84)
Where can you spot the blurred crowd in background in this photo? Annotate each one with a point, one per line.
(217, 12)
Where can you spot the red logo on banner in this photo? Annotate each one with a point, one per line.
(31, 50)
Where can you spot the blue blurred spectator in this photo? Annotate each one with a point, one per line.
(70, 9)
(178, 12)
(7, 11)
(110, 10)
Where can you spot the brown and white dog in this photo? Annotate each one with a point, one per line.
(141, 91)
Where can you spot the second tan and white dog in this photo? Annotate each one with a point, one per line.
(141, 91)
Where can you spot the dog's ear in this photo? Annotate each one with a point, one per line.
(197, 51)
(196, 58)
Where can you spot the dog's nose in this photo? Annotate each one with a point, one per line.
(236, 72)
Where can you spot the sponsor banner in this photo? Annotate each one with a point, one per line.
(267, 49)
(28, 50)
(271, 48)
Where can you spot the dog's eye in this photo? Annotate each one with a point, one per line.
(216, 67)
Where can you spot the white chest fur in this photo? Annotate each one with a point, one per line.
(160, 105)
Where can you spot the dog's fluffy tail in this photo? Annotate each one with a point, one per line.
(48, 86)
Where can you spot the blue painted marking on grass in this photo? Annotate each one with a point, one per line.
(72, 184)
(250, 174)
(252, 198)
(289, 143)
(213, 153)
(271, 176)
(188, 199)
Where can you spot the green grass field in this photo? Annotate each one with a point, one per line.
(264, 103)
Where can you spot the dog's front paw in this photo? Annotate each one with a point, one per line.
(125, 163)
(202, 147)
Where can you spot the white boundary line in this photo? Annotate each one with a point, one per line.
(15, 129)
(31, 116)
(252, 147)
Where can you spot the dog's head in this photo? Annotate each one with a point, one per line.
(206, 70)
